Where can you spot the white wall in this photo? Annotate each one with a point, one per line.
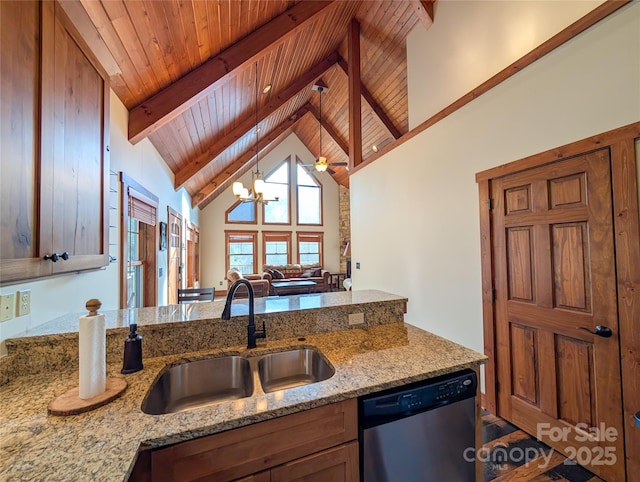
(142, 163)
(489, 35)
(54, 297)
(422, 238)
(213, 226)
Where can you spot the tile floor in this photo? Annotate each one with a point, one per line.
(530, 460)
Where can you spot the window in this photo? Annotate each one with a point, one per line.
(241, 251)
(310, 248)
(138, 286)
(242, 213)
(277, 212)
(309, 197)
(276, 246)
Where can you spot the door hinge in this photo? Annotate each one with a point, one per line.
(490, 204)
(493, 294)
(497, 386)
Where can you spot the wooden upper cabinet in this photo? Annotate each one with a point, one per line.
(54, 135)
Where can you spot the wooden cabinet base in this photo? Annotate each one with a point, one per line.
(320, 439)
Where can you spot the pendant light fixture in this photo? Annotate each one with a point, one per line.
(321, 164)
(260, 190)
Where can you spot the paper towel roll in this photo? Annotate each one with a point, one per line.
(92, 341)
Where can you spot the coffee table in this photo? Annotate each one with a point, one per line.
(293, 287)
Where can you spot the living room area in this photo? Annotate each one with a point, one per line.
(298, 244)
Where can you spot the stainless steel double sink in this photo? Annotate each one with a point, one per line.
(202, 382)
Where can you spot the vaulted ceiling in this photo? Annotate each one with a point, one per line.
(186, 71)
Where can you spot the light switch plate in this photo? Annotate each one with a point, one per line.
(7, 306)
(356, 319)
(24, 302)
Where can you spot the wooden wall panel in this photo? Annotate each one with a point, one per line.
(574, 361)
(572, 284)
(524, 363)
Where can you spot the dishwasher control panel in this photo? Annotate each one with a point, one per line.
(420, 396)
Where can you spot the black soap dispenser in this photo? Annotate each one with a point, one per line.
(132, 351)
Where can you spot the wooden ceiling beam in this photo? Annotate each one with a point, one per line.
(232, 169)
(425, 11)
(329, 129)
(189, 170)
(375, 107)
(355, 94)
(89, 33)
(189, 89)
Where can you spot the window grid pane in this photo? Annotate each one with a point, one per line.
(241, 249)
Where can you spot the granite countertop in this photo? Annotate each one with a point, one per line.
(102, 444)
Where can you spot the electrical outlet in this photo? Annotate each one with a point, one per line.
(7, 306)
(220, 283)
(356, 319)
(24, 302)
(357, 265)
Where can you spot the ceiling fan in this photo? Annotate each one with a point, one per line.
(321, 164)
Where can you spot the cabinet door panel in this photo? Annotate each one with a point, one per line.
(339, 464)
(77, 162)
(247, 450)
(54, 105)
(19, 162)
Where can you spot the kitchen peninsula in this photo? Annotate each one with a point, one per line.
(380, 353)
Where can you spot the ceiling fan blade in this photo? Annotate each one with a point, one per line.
(342, 164)
(330, 171)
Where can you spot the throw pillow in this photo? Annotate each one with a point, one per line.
(234, 275)
(277, 274)
(317, 273)
(308, 273)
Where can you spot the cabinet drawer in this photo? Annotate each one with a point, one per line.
(338, 464)
(247, 450)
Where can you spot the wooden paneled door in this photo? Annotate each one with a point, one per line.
(192, 267)
(174, 255)
(555, 284)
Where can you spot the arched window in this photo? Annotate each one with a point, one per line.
(278, 212)
(242, 213)
(309, 198)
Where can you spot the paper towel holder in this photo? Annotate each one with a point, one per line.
(69, 403)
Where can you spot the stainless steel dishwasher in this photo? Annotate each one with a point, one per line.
(421, 432)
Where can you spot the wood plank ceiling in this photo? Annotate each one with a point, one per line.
(186, 73)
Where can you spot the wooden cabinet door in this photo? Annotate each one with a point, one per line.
(75, 180)
(555, 282)
(19, 139)
(54, 132)
(339, 464)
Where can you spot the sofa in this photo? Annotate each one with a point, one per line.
(261, 285)
(297, 272)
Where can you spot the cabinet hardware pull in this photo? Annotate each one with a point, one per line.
(55, 256)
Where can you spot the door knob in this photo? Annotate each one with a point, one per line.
(603, 331)
(65, 255)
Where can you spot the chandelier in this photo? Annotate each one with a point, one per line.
(260, 190)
